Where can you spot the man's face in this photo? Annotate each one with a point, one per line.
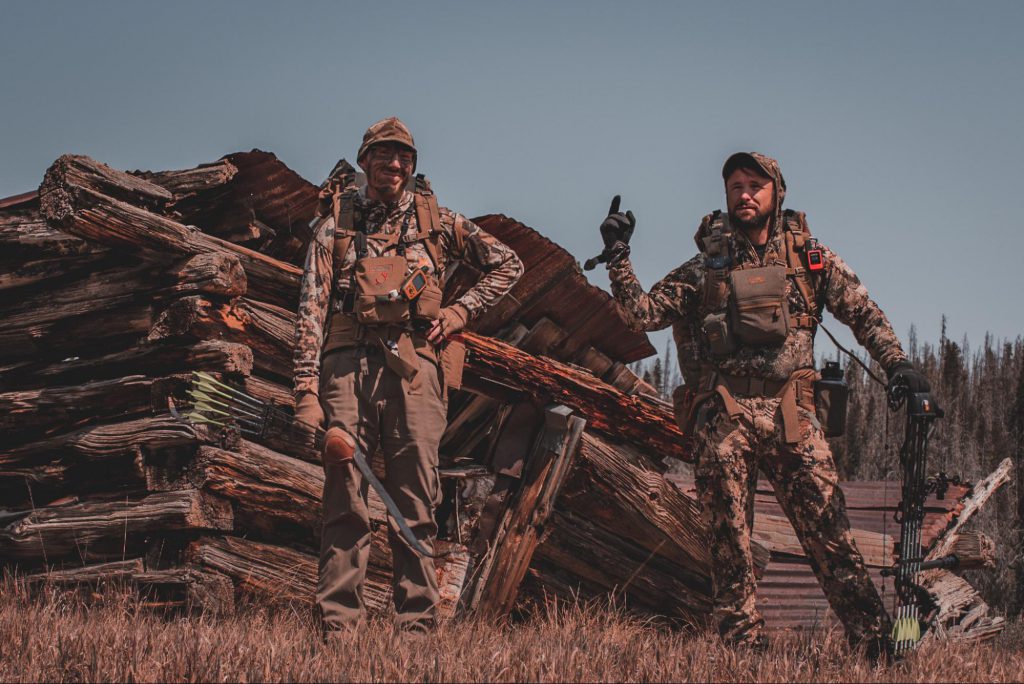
(749, 197)
(388, 167)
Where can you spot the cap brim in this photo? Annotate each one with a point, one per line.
(742, 160)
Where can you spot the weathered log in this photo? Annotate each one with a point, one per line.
(148, 358)
(97, 216)
(121, 456)
(186, 183)
(211, 273)
(962, 614)
(97, 443)
(118, 283)
(623, 529)
(102, 529)
(92, 333)
(38, 272)
(109, 288)
(276, 574)
(276, 497)
(25, 235)
(114, 571)
(267, 329)
(518, 537)
(190, 588)
(56, 409)
(83, 311)
(80, 171)
(606, 409)
(981, 493)
(974, 550)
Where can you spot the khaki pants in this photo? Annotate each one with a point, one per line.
(804, 476)
(361, 395)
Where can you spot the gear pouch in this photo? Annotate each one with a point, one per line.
(378, 281)
(716, 335)
(758, 308)
(428, 305)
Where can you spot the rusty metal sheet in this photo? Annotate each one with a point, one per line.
(18, 200)
(554, 287)
(269, 191)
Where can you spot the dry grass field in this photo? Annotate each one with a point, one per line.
(55, 636)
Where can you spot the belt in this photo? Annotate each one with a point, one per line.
(797, 390)
(747, 386)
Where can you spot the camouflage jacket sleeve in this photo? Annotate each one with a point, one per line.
(314, 298)
(500, 266)
(848, 300)
(673, 298)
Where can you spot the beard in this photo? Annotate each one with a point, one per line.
(759, 220)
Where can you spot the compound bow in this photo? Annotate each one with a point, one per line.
(915, 609)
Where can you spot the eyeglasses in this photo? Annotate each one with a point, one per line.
(388, 152)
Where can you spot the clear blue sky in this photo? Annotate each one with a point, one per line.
(897, 124)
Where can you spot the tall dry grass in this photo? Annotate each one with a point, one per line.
(55, 636)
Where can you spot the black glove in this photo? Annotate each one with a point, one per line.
(618, 227)
(904, 374)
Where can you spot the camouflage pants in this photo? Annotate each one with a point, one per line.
(729, 454)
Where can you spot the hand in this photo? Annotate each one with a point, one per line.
(617, 227)
(903, 374)
(308, 410)
(339, 447)
(453, 319)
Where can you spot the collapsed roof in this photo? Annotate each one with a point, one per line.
(554, 461)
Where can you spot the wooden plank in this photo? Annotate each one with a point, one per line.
(981, 493)
(545, 471)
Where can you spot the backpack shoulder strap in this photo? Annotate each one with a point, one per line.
(707, 225)
(713, 241)
(343, 210)
(797, 235)
(428, 218)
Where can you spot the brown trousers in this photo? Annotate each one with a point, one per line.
(806, 484)
(360, 394)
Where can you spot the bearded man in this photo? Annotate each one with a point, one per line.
(744, 312)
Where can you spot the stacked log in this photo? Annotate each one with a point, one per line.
(118, 285)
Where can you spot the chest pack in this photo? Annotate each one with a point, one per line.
(388, 288)
(746, 304)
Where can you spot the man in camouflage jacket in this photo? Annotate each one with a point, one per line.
(382, 385)
(751, 406)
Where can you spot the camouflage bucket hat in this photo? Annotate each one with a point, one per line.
(390, 129)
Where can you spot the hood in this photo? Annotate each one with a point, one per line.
(770, 168)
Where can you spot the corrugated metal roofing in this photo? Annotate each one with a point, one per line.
(788, 595)
(554, 287)
(18, 200)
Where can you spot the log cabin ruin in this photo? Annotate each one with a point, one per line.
(555, 464)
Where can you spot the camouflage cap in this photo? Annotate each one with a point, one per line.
(390, 129)
(758, 162)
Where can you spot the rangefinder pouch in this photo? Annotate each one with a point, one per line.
(377, 278)
(759, 311)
